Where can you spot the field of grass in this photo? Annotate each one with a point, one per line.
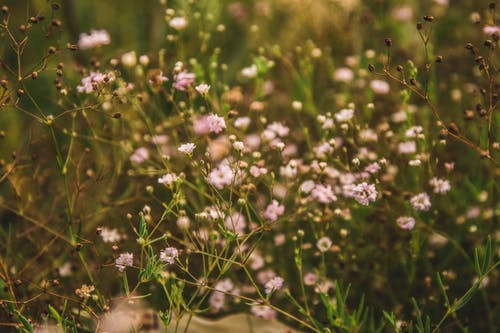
(330, 164)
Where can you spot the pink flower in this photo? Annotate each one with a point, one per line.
(221, 176)
(187, 148)
(421, 202)
(263, 311)
(124, 260)
(257, 171)
(380, 87)
(273, 211)
(323, 194)
(140, 155)
(406, 222)
(364, 193)
(274, 284)
(491, 29)
(216, 124)
(440, 186)
(95, 39)
(92, 79)
(169, 254)
(183, 80)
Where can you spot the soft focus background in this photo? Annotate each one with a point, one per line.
(50, 183)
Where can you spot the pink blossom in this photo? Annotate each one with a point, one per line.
(123, 260)
(140, 155)
(187, 148)
(263, 311)
(169, 254)
(406, 222)
(364, 193)
(274, 284)
(440, 186)
(421, 202)
(491, 29)
(95, 39)
(323, 194)
(273, 211)
(221, 176)
(216, 124)
(183, 80)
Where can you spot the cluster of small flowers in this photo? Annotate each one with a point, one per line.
(95, 39)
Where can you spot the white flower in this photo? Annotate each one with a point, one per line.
(187, 148)
(242, 122)
(95, 39)
(238, 145)
(440, 186)
(202, 89)
(249, 72)
(380, 87)
(344, 115)
(110, 235)
(178, 23)
(406, 222)
(408, 147)
(421, 202)
(324, 244)
(168, 179)
(124, 260)
(129, 59)
(364, 193)
(343, 74)
(169, 254)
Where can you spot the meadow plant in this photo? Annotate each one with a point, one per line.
(340, 177)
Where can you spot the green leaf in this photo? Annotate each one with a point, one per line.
(487, 257)
(466, 298)
(27, 325)
(55, 314)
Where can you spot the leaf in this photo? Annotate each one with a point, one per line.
(466, 298)
(27, 325)
(487, 256)
(55, 314)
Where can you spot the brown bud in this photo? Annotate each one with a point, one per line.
(453, 128)
(492, 5)
(55, 283)
(52, 50)
(20, 92)
(60, 65)
(3, 84)
(18, 282)
(439, 59)
(468, 114)
(371, 68)
(429, 18)
(72, 47)
(488, 43)
(34, 75)
(40, 18)
(78, 246)
(419, 25)
(2, 134)
(399, 68)
(478, 59)
(22, 28)
(117, 115)
(5, 9)
(413, 82)
(388, 42)
(59, 72)
(98, 230)
(232, 113)
(56, 23)
(483, 112)
(443, 134)
(55, 6)
(33, 20)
